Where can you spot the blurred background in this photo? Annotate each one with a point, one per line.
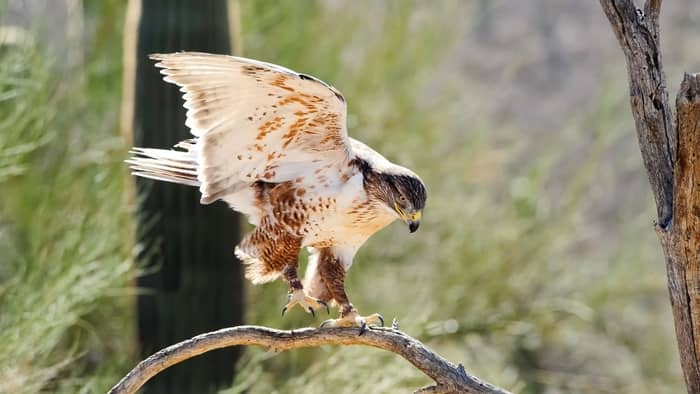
(536, 266)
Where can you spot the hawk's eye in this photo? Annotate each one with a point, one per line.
(402, 199)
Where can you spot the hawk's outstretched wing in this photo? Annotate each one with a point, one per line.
(257, 121)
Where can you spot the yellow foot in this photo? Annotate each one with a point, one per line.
(310, 304)
(353, 319)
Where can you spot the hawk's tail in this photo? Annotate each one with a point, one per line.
(165, 165)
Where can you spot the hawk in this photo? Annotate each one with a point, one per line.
(273, 144)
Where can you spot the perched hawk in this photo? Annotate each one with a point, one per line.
(273, 144)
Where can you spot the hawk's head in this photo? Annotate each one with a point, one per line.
(406, 196)
(401, 190)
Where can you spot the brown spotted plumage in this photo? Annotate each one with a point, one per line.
(273, 144)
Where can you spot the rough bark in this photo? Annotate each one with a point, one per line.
(449, 378)
(671, 154)
(683, 245)
(638, 34)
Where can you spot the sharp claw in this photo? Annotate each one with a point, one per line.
(311, 310)
(328, 310)
(284, 310)
(324, 323)
(363, 327)
(381, 319)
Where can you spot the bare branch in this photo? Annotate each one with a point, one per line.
(449, 378)
(638, 35)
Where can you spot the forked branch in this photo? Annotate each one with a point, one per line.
(448, 377)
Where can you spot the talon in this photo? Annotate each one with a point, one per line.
(309, 304)
(363, 327)
(352, 319)
(328, 310)
(381, 319)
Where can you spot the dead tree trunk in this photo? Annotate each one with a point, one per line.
(671, 154)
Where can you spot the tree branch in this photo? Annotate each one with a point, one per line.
(449, 378)
(638, 35)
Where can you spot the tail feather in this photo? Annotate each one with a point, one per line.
(164, 165)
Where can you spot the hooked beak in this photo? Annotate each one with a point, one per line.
(413, 221)
(410, 218)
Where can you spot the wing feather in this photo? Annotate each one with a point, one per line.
(258, 121)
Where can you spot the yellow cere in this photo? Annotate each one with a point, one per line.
(416, 216)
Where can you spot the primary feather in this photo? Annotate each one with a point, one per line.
(256, 121)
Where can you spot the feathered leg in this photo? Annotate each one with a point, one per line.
(269, 252)
(332, 272)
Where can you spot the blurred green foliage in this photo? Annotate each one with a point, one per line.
(517, 271)
(65, 318)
